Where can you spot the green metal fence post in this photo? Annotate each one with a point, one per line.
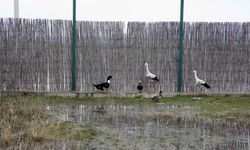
(180, 55)
(73, 46)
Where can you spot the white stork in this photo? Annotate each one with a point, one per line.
(199, 81)
(150, 75)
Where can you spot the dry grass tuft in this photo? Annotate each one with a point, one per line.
(6, 136)
(36, 134)
(23, 120)
(16, 116)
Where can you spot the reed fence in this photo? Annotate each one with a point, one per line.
(35, 55)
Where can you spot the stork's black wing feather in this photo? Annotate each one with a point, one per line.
(206, 85)
(156, 79)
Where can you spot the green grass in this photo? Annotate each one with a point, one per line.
(226, 107)
(209, 106)
(26, 115)
(221, 107)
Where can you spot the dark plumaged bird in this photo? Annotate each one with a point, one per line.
(199, 81)
(149, 74)
(105, 85)
(158, 97)
(140, 86)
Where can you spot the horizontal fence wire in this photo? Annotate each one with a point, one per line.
(35, 55)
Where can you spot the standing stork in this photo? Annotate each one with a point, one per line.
(199, 82)
(150, 76)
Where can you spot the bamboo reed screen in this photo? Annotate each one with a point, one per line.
(35, 55)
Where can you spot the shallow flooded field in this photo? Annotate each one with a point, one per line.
(177, 123)
(155, 126)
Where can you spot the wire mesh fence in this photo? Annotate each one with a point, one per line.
(35, 55)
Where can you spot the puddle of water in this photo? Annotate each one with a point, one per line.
(151, 127)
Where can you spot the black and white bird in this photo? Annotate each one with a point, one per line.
(199, 81)
(139, 86)
(150, 75)
(157, 98)
(105, 85)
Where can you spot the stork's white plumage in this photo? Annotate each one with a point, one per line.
(199, 81)
(149, 74)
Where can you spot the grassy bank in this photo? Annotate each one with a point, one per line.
(23, 118)
(221, 107)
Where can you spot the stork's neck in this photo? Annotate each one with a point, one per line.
(108, 81)
(195, 75)
(147, 70)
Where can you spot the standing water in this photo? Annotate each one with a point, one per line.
(152, 127)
